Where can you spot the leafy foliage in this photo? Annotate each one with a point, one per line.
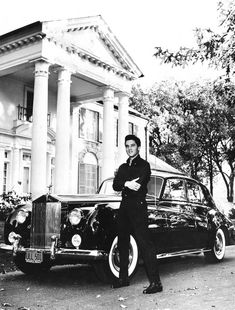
(215, 48)
(210, 137)
(192, 126)
(9, 201)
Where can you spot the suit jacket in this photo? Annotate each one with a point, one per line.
(139, 168)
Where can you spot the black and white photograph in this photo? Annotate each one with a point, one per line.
(117, 155)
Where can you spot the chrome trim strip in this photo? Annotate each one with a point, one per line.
(180, 253)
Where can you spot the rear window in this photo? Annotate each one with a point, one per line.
(107, 187)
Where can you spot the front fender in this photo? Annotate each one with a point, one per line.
(103, 223)
(11, 225)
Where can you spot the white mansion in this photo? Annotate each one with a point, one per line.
(64, 92)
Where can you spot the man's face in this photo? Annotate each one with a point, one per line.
(131, 148)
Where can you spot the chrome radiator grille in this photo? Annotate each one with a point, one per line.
(45, 222)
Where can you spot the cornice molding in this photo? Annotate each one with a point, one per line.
(54, 36)
(22, 42)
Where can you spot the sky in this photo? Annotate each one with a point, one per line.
(139, 25)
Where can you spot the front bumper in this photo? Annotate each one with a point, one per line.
(59, 254)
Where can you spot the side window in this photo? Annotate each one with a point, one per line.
(194, 192)
(155, 186)
(174, 190)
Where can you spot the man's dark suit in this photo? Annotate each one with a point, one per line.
(132, 217)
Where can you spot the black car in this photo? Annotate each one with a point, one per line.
(56, 230)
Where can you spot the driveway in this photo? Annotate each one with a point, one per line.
(189, 283)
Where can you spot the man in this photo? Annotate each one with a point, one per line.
(132, 179)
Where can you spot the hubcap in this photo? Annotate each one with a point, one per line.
(219, 245)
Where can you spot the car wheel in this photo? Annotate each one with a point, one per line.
(108, 270)
(29, 268)
(217, 252)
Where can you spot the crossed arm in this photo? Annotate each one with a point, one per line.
(135, 184)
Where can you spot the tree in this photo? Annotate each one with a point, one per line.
(215, 48)
(173, 134)
(191, 127)
(225, 95)
(157, 103)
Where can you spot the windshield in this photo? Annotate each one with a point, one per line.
(154, 187)
(107, 187)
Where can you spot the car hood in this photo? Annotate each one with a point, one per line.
(98, 198)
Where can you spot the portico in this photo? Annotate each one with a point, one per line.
(74, 61)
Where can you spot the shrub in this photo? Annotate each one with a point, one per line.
(9, 201)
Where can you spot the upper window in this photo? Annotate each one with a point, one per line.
(28, 104)
(89, 125)
(174, 190)
(5, 179)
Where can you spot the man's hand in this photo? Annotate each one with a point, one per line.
(133, 184)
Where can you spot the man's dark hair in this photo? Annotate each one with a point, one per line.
(133, 137)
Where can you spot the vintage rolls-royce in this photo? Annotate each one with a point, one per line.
(55, 230)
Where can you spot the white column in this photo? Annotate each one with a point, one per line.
(122, 126)
(39, 130)
(62, 159)
(108, 165)
(75, 149)
(48, 170)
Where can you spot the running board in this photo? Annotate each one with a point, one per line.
(181, 253)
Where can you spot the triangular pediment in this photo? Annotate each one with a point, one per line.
(89, 41)
(92, 36)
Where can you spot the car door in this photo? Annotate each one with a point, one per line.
(199, 204)
(180, 217)
(157, 216)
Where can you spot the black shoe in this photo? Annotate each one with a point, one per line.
(154, 287)
(121, 283)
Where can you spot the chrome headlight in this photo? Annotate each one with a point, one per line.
(12, 237)
(21, 216)
(75, 216)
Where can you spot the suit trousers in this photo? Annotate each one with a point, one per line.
(132, 218)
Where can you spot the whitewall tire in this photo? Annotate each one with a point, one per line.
(114, 257)
(217, 253)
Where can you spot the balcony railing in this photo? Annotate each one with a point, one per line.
(25, 114)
